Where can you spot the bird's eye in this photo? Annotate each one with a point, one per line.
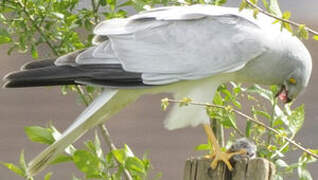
(292, 80)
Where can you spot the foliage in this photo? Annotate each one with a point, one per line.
(285, 119)
(91, 161)
(63, 26)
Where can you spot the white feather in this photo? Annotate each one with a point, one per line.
(107, 104)
(200, 91)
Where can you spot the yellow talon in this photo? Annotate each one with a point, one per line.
(218, 154)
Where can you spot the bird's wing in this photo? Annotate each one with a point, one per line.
(170, 44)
(156, 47)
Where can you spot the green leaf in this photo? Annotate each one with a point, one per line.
(164, 103)
(185, 101)
(87, 163)
(303, 173)
(218, 100)
(39, 134)
(302, 32)
(203, 147)
(262, 113)
(248, 128)
(4, 37)
(286, 15)
(112, 4)
(22, 161)
(128, 151)
(120, 155)
(135, 166)
(229, 120)
(243, 5)
(267, 94)
(219, 2)
(48, 176)
(34, 52)
(315, 37)
(266, 5)
(281, 163)
(14, 169)
(255, 13)
(296, 119)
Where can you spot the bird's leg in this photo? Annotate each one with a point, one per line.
(218, 154)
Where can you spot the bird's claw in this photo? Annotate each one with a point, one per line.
(223, 156)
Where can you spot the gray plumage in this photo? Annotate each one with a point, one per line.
(243, 143)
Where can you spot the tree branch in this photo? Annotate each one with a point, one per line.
(251, 119)
(279, 18)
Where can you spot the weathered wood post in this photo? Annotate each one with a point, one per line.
(254, 169)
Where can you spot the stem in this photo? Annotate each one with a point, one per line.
(103, 129)
(111, 145)
(282, 148)
(280, 19)
(271, 123)
(218, 131)
(81, 93)
(246, 117)
(95, 9)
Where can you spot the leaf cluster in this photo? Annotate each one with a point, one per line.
(264, 107)
(272, 8)
(92, 161)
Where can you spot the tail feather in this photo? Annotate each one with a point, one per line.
(46, 73)
(104, 106)
(38, 64)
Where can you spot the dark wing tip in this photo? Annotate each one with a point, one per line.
(6, 84)
(9, 76)
(38, 64)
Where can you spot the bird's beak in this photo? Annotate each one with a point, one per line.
(283, 95)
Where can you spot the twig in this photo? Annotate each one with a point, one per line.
(251, 119)
(81, 93)
(279, 18)
(103, 129)
(271, 122)
(112, 147)
(95, 9)
(283, 147)
(20, 3)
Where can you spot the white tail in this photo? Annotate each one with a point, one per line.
(97, 112)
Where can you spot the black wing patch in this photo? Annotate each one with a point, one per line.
(46, 73)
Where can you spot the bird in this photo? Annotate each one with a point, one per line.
(187, 51)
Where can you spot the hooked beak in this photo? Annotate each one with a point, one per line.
(283, 95)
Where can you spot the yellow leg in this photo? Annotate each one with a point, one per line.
(218, 154)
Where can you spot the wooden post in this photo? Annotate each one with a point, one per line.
(254, 169)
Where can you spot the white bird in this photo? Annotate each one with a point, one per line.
(187, 51)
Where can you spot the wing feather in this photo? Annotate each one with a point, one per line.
(171, 44)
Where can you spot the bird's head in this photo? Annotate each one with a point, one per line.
(296, 80)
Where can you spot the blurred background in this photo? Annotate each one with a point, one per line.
(140, 126)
